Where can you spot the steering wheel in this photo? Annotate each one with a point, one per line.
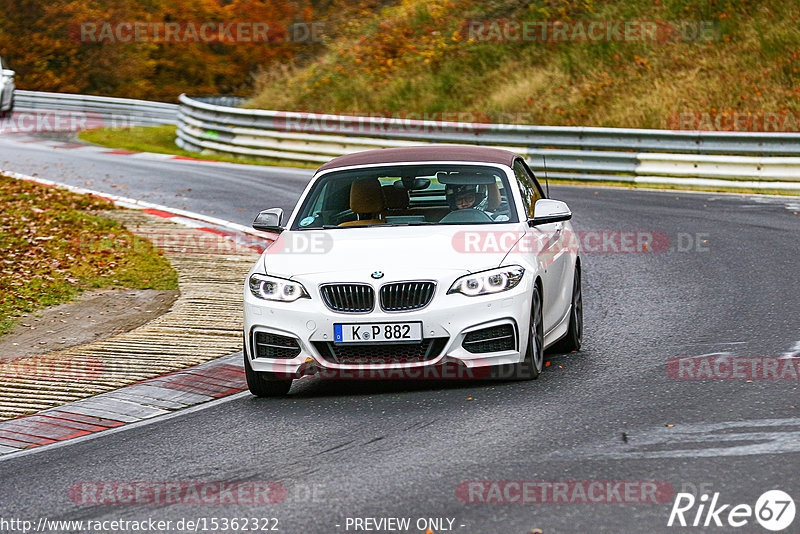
(469, 215)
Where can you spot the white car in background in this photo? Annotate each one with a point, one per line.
(6, 89)
(411, 258)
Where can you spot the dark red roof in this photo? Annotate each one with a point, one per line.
(478, 154)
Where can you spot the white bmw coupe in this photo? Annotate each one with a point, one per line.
(400, 261)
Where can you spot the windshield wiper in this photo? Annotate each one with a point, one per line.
(394, 224)
(323, 227)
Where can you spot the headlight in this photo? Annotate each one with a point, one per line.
(488, 282)
(272, 288)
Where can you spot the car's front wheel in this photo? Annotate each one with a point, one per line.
(531, 367)
(265, 384)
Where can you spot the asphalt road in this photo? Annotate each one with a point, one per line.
(401, 449)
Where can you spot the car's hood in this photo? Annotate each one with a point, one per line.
(353, 254)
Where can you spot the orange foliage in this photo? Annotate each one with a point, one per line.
(42, 41)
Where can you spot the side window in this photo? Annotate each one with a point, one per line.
(527, 186)
(537, 187)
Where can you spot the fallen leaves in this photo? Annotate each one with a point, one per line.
(53, 244)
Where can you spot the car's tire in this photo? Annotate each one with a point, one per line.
(572, 341)
(264, 384)
(532, 366)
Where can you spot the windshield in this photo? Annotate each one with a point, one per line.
(406, 195)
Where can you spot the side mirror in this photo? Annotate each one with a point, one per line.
(547, 211)
(8, 72)
(269, 220)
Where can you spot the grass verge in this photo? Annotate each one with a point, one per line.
(54, 244)
(707, 59)
(161, 140)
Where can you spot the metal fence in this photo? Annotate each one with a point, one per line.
(620, 154)
(113, 112)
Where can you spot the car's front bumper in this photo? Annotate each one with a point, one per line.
(448, 318)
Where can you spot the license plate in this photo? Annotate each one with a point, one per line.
(377, 332)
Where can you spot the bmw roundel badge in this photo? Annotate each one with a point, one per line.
(377, 274)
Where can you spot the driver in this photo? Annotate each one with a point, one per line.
(462, 197)
(465, 199)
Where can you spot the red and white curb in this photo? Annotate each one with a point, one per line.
(131, 404)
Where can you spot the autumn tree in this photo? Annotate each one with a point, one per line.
(45, 42)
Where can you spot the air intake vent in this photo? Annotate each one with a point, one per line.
(350, 298)
(366, 354)
(493, 339)
(404, 296)
(275, 346)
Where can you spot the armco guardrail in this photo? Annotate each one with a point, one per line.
(735, 159)
(113, 112)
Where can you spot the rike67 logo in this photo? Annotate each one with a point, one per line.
(774, 510)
